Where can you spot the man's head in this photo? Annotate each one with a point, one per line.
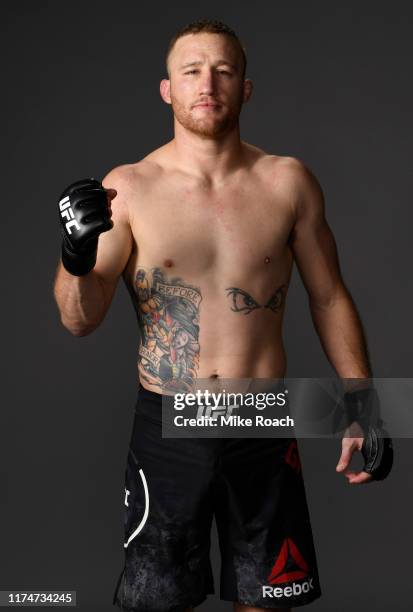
(206, 64)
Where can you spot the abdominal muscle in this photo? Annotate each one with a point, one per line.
(248, 358)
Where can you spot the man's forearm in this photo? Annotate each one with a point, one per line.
(340, 330)
(81, 301)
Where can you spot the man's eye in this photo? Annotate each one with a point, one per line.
(220, 72)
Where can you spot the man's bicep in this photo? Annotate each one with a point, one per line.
(314, 246)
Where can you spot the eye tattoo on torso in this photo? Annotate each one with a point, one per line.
(244, 302)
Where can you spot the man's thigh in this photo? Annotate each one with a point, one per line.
(265, 535)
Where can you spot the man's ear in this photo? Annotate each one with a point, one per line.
(248, 87)
(165, 90)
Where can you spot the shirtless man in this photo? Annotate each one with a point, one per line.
(204, 231)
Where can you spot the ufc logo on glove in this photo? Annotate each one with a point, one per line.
(67, 212)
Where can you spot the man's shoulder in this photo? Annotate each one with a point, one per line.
(127, 180)
(132, 174)
(132, 182)
(292, 174)
(286, 166)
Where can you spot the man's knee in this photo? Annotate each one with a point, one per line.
(238, 607)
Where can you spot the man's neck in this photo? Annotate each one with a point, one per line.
(211, 159)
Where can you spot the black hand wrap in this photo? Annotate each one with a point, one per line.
(84, 214)
(363, 406)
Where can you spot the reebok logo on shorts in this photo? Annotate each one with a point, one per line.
(298, 569)
(293, 590)
(289, 554)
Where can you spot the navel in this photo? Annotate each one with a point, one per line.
(168, 263)
(267, 259)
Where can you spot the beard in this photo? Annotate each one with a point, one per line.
(210, 125)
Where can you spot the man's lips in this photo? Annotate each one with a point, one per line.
(206, 105)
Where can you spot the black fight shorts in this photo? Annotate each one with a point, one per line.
(175, 486)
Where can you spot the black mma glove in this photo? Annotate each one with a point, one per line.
(84, 214)
(363, 406)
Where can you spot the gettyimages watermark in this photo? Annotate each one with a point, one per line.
(290, 407)
(222, 410)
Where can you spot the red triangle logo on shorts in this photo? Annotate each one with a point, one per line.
(279, 574)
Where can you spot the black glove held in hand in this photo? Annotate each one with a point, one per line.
(363, 406)
(84, 214)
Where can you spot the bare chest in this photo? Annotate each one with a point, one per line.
(205, 231)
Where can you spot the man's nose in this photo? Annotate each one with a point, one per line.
(207, 83)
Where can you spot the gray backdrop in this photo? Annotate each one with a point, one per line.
(80, 96)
